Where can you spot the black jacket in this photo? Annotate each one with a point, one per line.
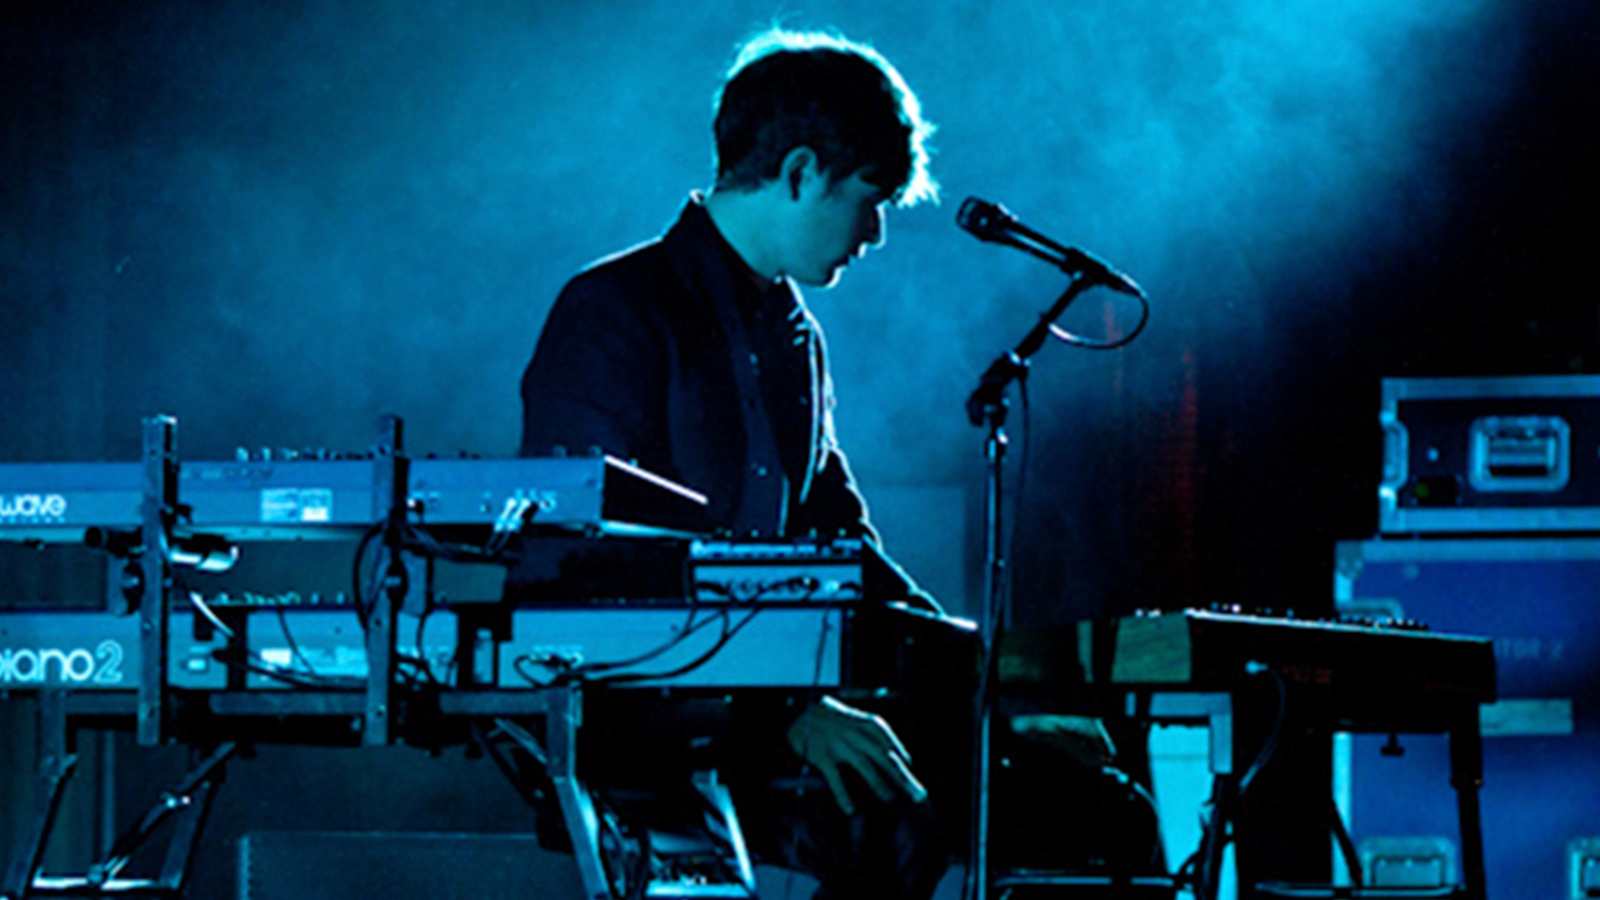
(670, 355)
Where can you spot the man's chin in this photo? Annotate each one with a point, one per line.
(827, 279)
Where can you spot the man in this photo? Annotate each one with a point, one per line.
(695, 356)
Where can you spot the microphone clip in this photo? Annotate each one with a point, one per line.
(987, 402)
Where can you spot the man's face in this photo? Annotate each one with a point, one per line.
(833, 222)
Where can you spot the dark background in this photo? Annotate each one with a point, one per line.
(280, 220)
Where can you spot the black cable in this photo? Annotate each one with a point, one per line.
(728, 634)
(277, 673)
(251, 662)
(294, 646)
(364, 594)
(420, 538)
(1195, 871)
(1212, 826)
(534, 682)
(822, 652)
(1347, 846)
(805, 585)
(1076, 340)
(579, 671)
(242, 657)
(358, 592)
(1270, 745)
(689, 627)
(813, 697)
(1213, 843)
(420, 661)
(729, 631)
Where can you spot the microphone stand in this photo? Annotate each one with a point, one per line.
(987, 406)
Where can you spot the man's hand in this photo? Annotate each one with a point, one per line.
(830, 735)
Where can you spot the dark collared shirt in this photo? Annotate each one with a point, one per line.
(671, 355)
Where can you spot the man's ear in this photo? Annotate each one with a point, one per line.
(798, 165)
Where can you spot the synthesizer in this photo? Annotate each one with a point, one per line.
(1335, 676)
(735, 614)
(325, 649)
(301, 499)
(1199, 650)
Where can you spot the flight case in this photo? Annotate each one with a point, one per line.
(1538, 598)
(1513, 454)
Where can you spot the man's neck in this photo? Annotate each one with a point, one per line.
(743, 219)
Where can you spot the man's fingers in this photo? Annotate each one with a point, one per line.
(908, 780)
(870, 734)
(869, 727)
(872, 768)
(894, 739)
(875, 735)
(841, 795)
(832, 735)
(887, 773)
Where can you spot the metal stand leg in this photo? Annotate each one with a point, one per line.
(1466, 776)
(1216, 711)
(188, 804)
(55, 767)
(722, 827)
(577, 807)
(693, 848)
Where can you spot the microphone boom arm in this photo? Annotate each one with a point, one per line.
(989, 396)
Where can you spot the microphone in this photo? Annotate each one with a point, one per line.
(993, 223)
(984, 220)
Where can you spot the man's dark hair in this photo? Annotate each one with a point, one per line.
(842, 99)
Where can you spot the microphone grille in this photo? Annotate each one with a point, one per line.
(980, 217)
